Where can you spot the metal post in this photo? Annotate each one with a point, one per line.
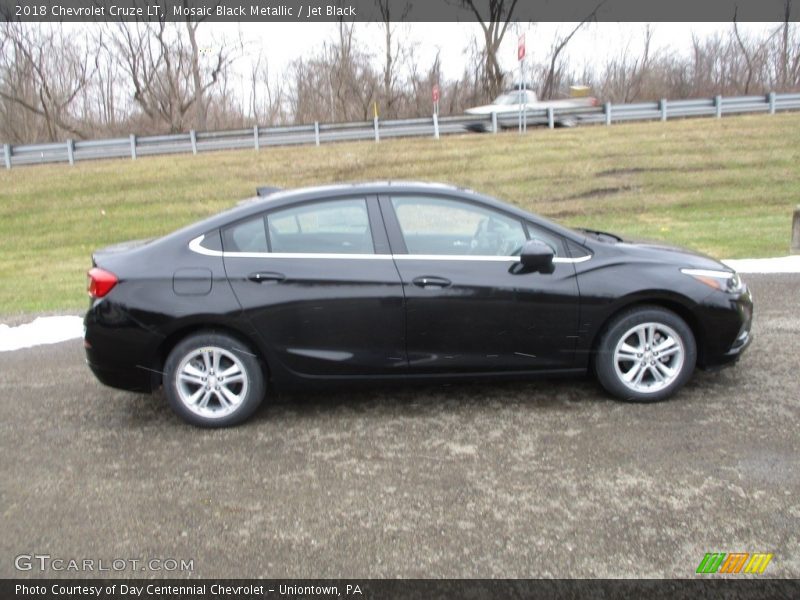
(71, 151)
(771, 97)
(377, 135)
(796, 231)
(494, 122)
(255, 137)
(7, 155)
(133, 147)
(435, 126)
(193, 135)
(525, 95)
(316, 132)
(718, 105)
(551, 123)
(663, 105)
(607, 110)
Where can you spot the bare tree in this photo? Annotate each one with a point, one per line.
(204, 79)
(267, 97)
(170, 83)
(548, 87)
(392, 52)
(788, 61)
(107, 98)
(745, 52)
(494, 26)
(43, 72)
(623, 76)
(338, 84)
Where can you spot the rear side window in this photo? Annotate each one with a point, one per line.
(329, 227)
(247, 236)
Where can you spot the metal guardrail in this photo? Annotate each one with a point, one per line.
(320, 133)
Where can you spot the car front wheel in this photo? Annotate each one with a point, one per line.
(213, 380)
(645, 355)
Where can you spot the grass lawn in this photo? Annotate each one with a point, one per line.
(726, 187)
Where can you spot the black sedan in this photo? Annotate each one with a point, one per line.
(399, 281)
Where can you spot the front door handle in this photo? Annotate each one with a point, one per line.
(431, 281)
(265, 276)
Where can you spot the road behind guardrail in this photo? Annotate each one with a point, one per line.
(319, 133)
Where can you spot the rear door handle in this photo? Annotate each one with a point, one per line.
(431, 281)
(265, 276)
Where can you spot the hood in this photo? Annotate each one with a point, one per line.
(663, 253)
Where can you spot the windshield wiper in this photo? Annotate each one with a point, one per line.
(600, 234)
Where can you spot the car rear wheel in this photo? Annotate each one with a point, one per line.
(213, 380)
(645, 355)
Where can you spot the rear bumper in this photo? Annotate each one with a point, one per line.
(119, 349)
(132, 380)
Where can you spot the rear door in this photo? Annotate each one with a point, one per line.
(469, 307)
(318, 283)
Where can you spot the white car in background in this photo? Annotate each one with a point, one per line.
(508, 104)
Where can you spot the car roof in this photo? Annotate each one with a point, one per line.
(369, 187)
(257, 204)
(279, 197)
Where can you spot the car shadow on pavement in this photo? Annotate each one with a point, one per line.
(411, 398)
(408, 400)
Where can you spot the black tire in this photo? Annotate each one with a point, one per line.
(187, 375)
(657, 359)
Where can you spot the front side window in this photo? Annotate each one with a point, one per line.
(433, 225)
(329, 227)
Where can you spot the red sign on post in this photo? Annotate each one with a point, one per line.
(436, 93)
(521, 47)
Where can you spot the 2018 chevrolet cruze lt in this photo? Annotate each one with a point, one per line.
(399, 281)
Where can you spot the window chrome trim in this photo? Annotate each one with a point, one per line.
(573, 261)
(196, 246)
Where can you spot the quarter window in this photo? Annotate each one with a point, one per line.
(450, 227)
(333, 226)
(247, 236)
(552, 240)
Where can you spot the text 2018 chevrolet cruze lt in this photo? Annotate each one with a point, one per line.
(400, 281)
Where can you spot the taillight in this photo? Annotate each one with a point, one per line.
(100, 282)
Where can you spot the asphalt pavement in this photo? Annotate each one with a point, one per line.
(534, 479)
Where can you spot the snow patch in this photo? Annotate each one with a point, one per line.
(42, 330)
(780, 264)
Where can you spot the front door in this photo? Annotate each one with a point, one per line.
(469, 308)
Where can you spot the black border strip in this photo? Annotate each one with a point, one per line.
(369, 589)
(406, 10)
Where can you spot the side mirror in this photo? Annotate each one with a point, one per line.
(536, 256)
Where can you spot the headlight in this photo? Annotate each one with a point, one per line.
(724, 281)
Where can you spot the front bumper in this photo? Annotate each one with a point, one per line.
(731, 334)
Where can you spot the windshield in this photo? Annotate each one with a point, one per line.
(512, 98)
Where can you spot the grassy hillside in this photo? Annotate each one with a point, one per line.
(726, 187)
